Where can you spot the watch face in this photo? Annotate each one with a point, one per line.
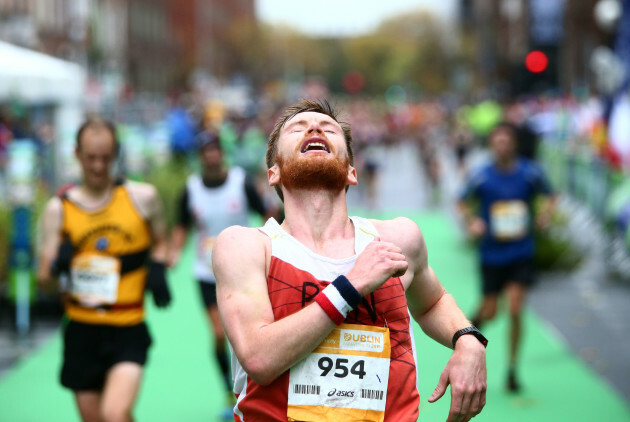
(481, 338)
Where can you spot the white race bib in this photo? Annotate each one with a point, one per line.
(509, 220)
(344, 379)
(94, 279)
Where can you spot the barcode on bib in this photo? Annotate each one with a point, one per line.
(372, 394)
(306, 389)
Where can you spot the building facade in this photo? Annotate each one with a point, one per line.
(137, 46)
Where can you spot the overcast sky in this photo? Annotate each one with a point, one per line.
(343, 17)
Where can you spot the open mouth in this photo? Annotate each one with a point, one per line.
(315, 144)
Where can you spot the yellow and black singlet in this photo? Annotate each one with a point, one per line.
(108, 269)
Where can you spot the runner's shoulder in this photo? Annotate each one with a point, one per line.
(53, 207)
(69, 191)
(240, 235)
(401, 231)
(144, 194)
(481, 173)
(234, 242)
(141, 190)
(477, 177)
(531, 169)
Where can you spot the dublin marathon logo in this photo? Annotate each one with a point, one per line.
(362, 338)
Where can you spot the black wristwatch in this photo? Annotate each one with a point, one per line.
(470, 330)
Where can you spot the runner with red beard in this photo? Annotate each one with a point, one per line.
(317, 309)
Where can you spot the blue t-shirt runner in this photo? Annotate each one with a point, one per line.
(506, 199)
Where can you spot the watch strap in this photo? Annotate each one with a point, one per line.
(473, 331)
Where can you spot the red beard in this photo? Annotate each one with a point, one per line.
(314, 172)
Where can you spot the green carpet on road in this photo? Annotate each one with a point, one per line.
(181, 383)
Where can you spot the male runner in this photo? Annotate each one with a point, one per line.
(217, 198)
(505, 190)
(316, 308)
(108, 237)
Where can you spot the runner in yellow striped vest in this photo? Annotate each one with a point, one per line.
(107, 237)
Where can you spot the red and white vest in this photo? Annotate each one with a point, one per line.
(296, 275)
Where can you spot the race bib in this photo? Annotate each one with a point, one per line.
(509, 220)
(94, 279)
(205, 246)
(344, 379)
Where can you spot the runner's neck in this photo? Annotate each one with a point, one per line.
(506, 164)
(319, 220)
(93, 197)
(213, 177)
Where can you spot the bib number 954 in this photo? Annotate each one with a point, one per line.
(340, 365)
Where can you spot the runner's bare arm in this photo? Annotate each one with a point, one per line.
(50, 241)
(465, 210)
(179, 235)
(439, 317)
(264, 347)
(474, 225)
(157, 222)
(430, 304)
(149, 203)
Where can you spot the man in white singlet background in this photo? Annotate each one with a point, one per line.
(317, 309)
(217, 197)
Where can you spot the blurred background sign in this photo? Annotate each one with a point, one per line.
(21, 172)
(546, 22)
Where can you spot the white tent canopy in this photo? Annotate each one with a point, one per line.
(34, 77)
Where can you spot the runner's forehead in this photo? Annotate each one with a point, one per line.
(503, 133)
(96, 139)
(306, 117)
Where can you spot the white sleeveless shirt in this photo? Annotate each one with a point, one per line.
(214, 209)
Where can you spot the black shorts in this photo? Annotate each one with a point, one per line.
(90, 350)
(496, 277)
(208, 293)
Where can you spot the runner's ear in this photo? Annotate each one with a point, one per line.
(273, 175)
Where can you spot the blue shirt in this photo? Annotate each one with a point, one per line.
(505, 204)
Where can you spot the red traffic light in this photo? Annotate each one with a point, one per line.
(536, 61)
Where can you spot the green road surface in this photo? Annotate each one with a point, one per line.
(183, 384)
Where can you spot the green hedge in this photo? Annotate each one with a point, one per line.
(554, 249)
(555, 254)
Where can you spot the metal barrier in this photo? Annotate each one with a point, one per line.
(605, 192)
(586, 178)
